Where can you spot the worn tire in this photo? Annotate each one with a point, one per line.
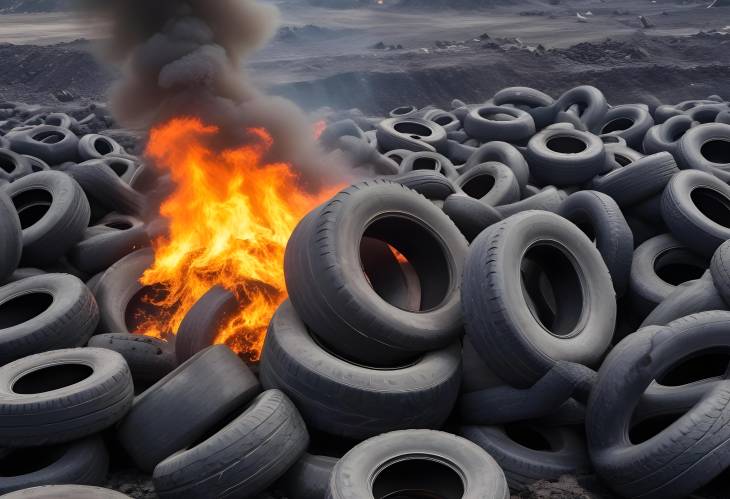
(706, 148)
(565, 157)
(639, 180)
(428, 183)
(688, 298)
(666, 136)
(470, 216)
(14, 165)
(428, 161)
(66, 492)
(104, 188)
(487, 123)
(52, 144)
(491, 183)
(504, 153)
(93, 146)
(11, 238)
(308, 478)
(629, 121)
(720, 270)
(412, 134)
(591, 101)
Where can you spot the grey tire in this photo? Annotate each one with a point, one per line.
(548, 199)
(504, 153)
(11, 238)
(66, 492)
(720, 270)
(470, 215)
(631, 122)
(491, 183)
(487, 123)
(430, 184)
(706, 148)
(666, 136)
(308, 478)
(413, 134)
(691, 297)
(591, 101)
(639, 180)
(534, 102)
(92, 146)
(565, 157)
(52, 144)
(14, 165)
(428, 161)
(104, 188)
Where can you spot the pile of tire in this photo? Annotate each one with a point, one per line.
(522, 289)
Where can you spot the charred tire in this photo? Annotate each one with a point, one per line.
(62, 395)
(308, 478)
(600, 218)
(720, 270)
(333, 296)
(412, 134)
(92, 146)
(630, 122)
(104, 188)
(706, 148)
(271, 436)
(53, 213)
(428, 183)
(639, 180)
(565, 157)
(13, 165)
(52, 144)
(442, 464)
(653, 469)
(504, 153)
(537, 454)
(369, 401)
(83, 462)
(491, 183)
(149, 359)
(11, 238)
(45, 312)
(666, 137)
(66, 492)
(470, 216)
(696, 208)
(520, 339)
(185, 404)
(488, 123)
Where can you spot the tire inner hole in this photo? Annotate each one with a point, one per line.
(713, 205)
(52, 378)
(651, 427)
(552, 289)
(7, 163)
(618, 125)
(527, 436)
(119, 225)
(479, 185)
(427, 164)
(119, 167)
(492, 116)
(403, 110)
(411, 128)
(49, 137)
(24, 461)
(677, 266)
(696, 368)
(32, 206)
(103, 146)
(716, 151)
(23, 308)
(566, 145)
(622, 160)
(418, 478)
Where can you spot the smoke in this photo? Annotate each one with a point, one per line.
(185, 57)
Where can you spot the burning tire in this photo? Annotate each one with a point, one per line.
(418, 461)
(529, 453)
(66, 491)
(149, 359)
(469, 215)
(521, 332)
(14, 166)
(487, 123)
(62, 395)
(269, 434)
(565, 157)
(491, 183)
(368, 401)
(325, 284)
(53, 213)
(83, 462)
(45, 312)
(11, 238)
(308, 478)
(94, 146)
(644, 178)
(106, 243)
(185, 404)
(600, 218)
(696, 208)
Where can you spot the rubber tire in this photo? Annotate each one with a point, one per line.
(308, 478)
(66, 492)
(641, 122)
(534, 102)
(67, 413)
(428, 183)
(352, 400)
(352, 477)
(326, 284)
(688, 298)
(689, 153)
(524, 466)
(83, 462)
(499, 321)
(271, 436)
(428, 161)
(720, 270)
(182, 406)
(638, 181)
(149, 359)
(599, 216)
(11, 238)
(104, 188)
(94, 146)
(430, 137)
(620, 156)
(548, 199)
(504, 153)
(591, 100)
(552, 167)
(504, 188)
(666, 137)
(684, 218)
(652, 469)
(470, 216)
(30, 142)
(18, 165)
(479, 126)
(61, 226)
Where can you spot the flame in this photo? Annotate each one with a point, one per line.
(318, 127)
(230, 217)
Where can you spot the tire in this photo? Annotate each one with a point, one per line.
(488, 123)
(114, 237)
(720, 270)
(505, 404)
(663, 113)
(123, 165)
(475, 374)
(491, 183)
(308, 478)
(723, 117)
(36, 164)
(620, 156)
(600, 218)
(696, 208)
(83, 462)
(659, 265)
(104, 188)
(544, 454)
(630, 122)
(365, 155)
(14, 165)
(93, 146)
(354, 400)
(565, 157)
(428, 183)
(428, 161)
(458, 153)
(685, 455)
(181, 407)
(66, 492)
(638, 181)
(447, 120)
(43, 313)
(609, 139)
(53, 213)
(470, 216)
(271, 436)
(412, 134)
(199, 329)
(42, 409)
(443, 465)
(402, 111)
(548, 199)
(149, 359)
(325, 289)
(688, 298)
(504, 153)
(22, 273)
(502, 323)
(591, 101)
(706, 148)
(534, 102)
(706, 113)
(11, 238)
(52, 144)
(117, 288)
(398, 155)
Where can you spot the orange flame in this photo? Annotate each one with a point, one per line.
(230, 218)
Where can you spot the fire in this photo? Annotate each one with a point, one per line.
(318, 127)
(230, 217)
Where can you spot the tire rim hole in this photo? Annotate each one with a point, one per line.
(622, 160)
(103, 146)
(23, 308)
(696, 368)
(119, 167)
(52, 378)
(444, 120)
(119, 225)
(7, 163)
(552, 289)
(479, 186)
(713, 205)
(716, 151)
(651, 427)
(492, 116)
(32, 206)
(19, 462)
(427, 164)
(610, 139)
(418, 478)
(403, 110)
(49, 137)
(618, 125)
(527, 436)
(566, 145)
(413, 129)
(678, 273)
